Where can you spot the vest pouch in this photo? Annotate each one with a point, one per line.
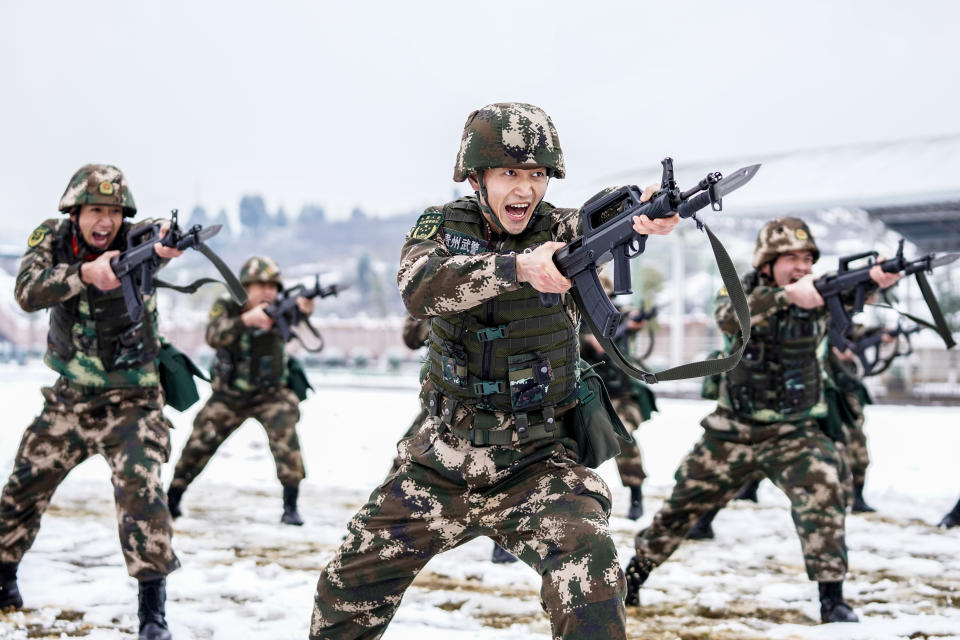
(837, 413)
(129, 350)
(222, 366)
(453, 357)
(593, 423)
(710, 387)
(265, 377)
(177, 373)
(297, 379)
(529, 376)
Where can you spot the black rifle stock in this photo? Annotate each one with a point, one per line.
(136, 267)
(286, 314)
(867, 348)
(608, 234)
(857, 281)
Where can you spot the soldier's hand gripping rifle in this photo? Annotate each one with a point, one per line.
(643, 315)
(833, 288)
(608, 234)
(867, 347)
(286, 314)
(136, 267)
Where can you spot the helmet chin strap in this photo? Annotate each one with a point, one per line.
(491, 217)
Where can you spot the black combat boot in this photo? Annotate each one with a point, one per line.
(859, 504)
(952, 519)
(290, 513)
(153, 597)
(636, 503)
(748, 491)
(637, 572)
(9, 591)
(501, 555)
(173, 502)
(832, 606)
(703, 528)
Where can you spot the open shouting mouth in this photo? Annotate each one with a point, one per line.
(517, 211)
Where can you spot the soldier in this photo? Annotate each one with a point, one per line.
(952, 519)
(766, 421)
(250, 380)
(494, 456)
(633, 401)
(107, 399)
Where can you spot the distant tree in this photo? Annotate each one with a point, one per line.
(253, 213)
(199, 216)
(311, 213)
(281, 219)
(222, 218)
(365, 276)
(358, 215)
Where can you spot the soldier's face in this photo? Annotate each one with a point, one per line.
(99, 224)
(260, 292)
(513, 194)
(791, 266)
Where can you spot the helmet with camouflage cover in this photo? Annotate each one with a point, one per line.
(781, 235)
(508, 134)
(260, 269)
(98, 184)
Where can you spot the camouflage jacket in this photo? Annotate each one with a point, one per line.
(43, 281)
(437, 276)
(238, 346)
(768, 304)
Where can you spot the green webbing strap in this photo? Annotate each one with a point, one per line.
(935, 311)
(484, 437)
(738, 298)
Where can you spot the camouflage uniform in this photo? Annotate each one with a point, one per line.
(106, 401)
(250, 374)
(532, 497)
(756, 428)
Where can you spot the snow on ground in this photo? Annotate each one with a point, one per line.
(246, 576)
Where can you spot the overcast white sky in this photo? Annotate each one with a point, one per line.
(362, 103)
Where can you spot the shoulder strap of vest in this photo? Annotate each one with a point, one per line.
(694, 369)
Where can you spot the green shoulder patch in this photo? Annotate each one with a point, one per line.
(38, 235)
(216, 311)
(722, 293)
(427, 225)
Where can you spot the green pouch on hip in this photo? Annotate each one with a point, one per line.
(297, 379)
(177, 372)
(595, 426)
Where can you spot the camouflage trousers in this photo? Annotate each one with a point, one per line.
(855, 448)
(630, 460)
(278, 411)
(127, 427)
(534, 500)
(799, 459)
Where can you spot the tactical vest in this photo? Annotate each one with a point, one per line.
(616, 381)
(509, 353)
(92, 340)
(779, 377)
(253, 362)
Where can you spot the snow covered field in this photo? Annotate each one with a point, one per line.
(246, 576)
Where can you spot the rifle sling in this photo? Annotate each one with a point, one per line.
(939, 323)
(693, 369)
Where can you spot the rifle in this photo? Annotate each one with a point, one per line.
(643, 315)
(286, 314)
(832, 287)
(867, 347)
(136, 267)
(608, 235)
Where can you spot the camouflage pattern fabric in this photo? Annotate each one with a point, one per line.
(415, 332)
(534, 500)
(630, 460)
(98, 184)
(277, 410)
(43, 282)
(508, 134)
(855, 450)
(802, 462)
(781, 235)
(127, 427)
(260, 269)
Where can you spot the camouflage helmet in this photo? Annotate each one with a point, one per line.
(98, 184)
(260, 269)
(508, 134)
(781, 235)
